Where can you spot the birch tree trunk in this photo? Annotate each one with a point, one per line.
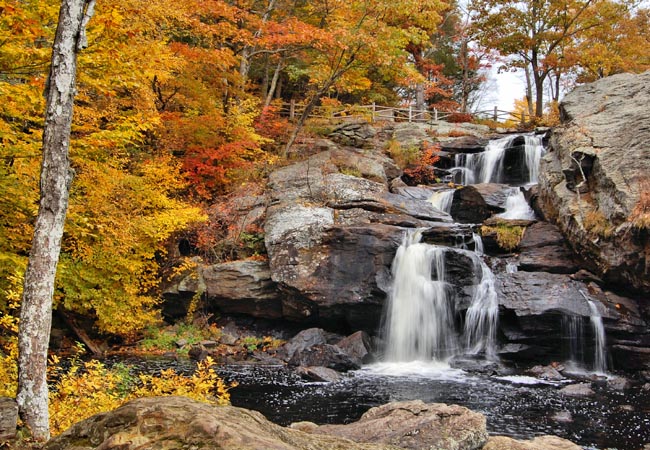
(56, 176)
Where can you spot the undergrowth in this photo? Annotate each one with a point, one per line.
(508, 236)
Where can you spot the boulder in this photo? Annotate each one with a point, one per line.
(358, 346)
(415, 425)
(355, 134)
(577, 390)
(302, 341)
(179, 422)
(318, 373)
(325, 355)
(546, 373)
(8, 418)
(537, 443)
(469, 206)
(604, 138)
(320, 220)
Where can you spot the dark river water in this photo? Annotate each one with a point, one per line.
(520, 407)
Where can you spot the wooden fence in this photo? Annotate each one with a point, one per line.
(374, 113)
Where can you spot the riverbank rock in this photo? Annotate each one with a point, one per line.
(594, 179)
(415, 425)
(538, 443)
(182, 423)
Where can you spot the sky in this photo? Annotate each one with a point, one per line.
(502, 90)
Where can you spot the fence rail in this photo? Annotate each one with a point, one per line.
(375, 113)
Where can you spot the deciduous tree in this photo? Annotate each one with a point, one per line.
(56, 176)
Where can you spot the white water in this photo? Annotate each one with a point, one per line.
(517, 207)
(419, 321)
(487, 166)
(483, 314)
(484, 167)
(534, 153)
(443, 200)
(478, 244)
(600, 356)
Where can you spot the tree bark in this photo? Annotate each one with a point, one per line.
(56, 176)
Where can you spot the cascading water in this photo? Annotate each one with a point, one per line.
(600, 356)
(517, 207)
(487, 166)
(534, 152)
(484, 167)
(443, 200)
(483, 314)
(419, 321)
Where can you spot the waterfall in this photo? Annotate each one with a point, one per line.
(443, 200)
(484, 167)
(517, 207)
(574, 332)
(487, 166)
(534, 152)
(419, 321)
(478, 244)
(600, 357)
(483, 313)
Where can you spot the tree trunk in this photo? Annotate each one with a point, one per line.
(56, 176)
(274, 82)
(538, 79)
(529, 92)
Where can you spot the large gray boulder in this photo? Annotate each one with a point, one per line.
(415, 425)
(593, 177)
(182, 423)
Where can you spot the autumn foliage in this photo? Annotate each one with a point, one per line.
(179, 107)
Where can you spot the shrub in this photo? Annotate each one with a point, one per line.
(91, 388)
(508, 236)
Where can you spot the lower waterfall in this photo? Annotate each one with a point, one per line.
(419, 322)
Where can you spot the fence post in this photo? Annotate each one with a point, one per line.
(496, 116)
(374, 109)
(292, 109)
(435, 114)
(410, 113)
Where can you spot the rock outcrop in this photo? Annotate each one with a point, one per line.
(594, 179)
(179, 422)
(415, 425)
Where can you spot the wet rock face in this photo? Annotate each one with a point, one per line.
(592, 178)
(331, 238)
